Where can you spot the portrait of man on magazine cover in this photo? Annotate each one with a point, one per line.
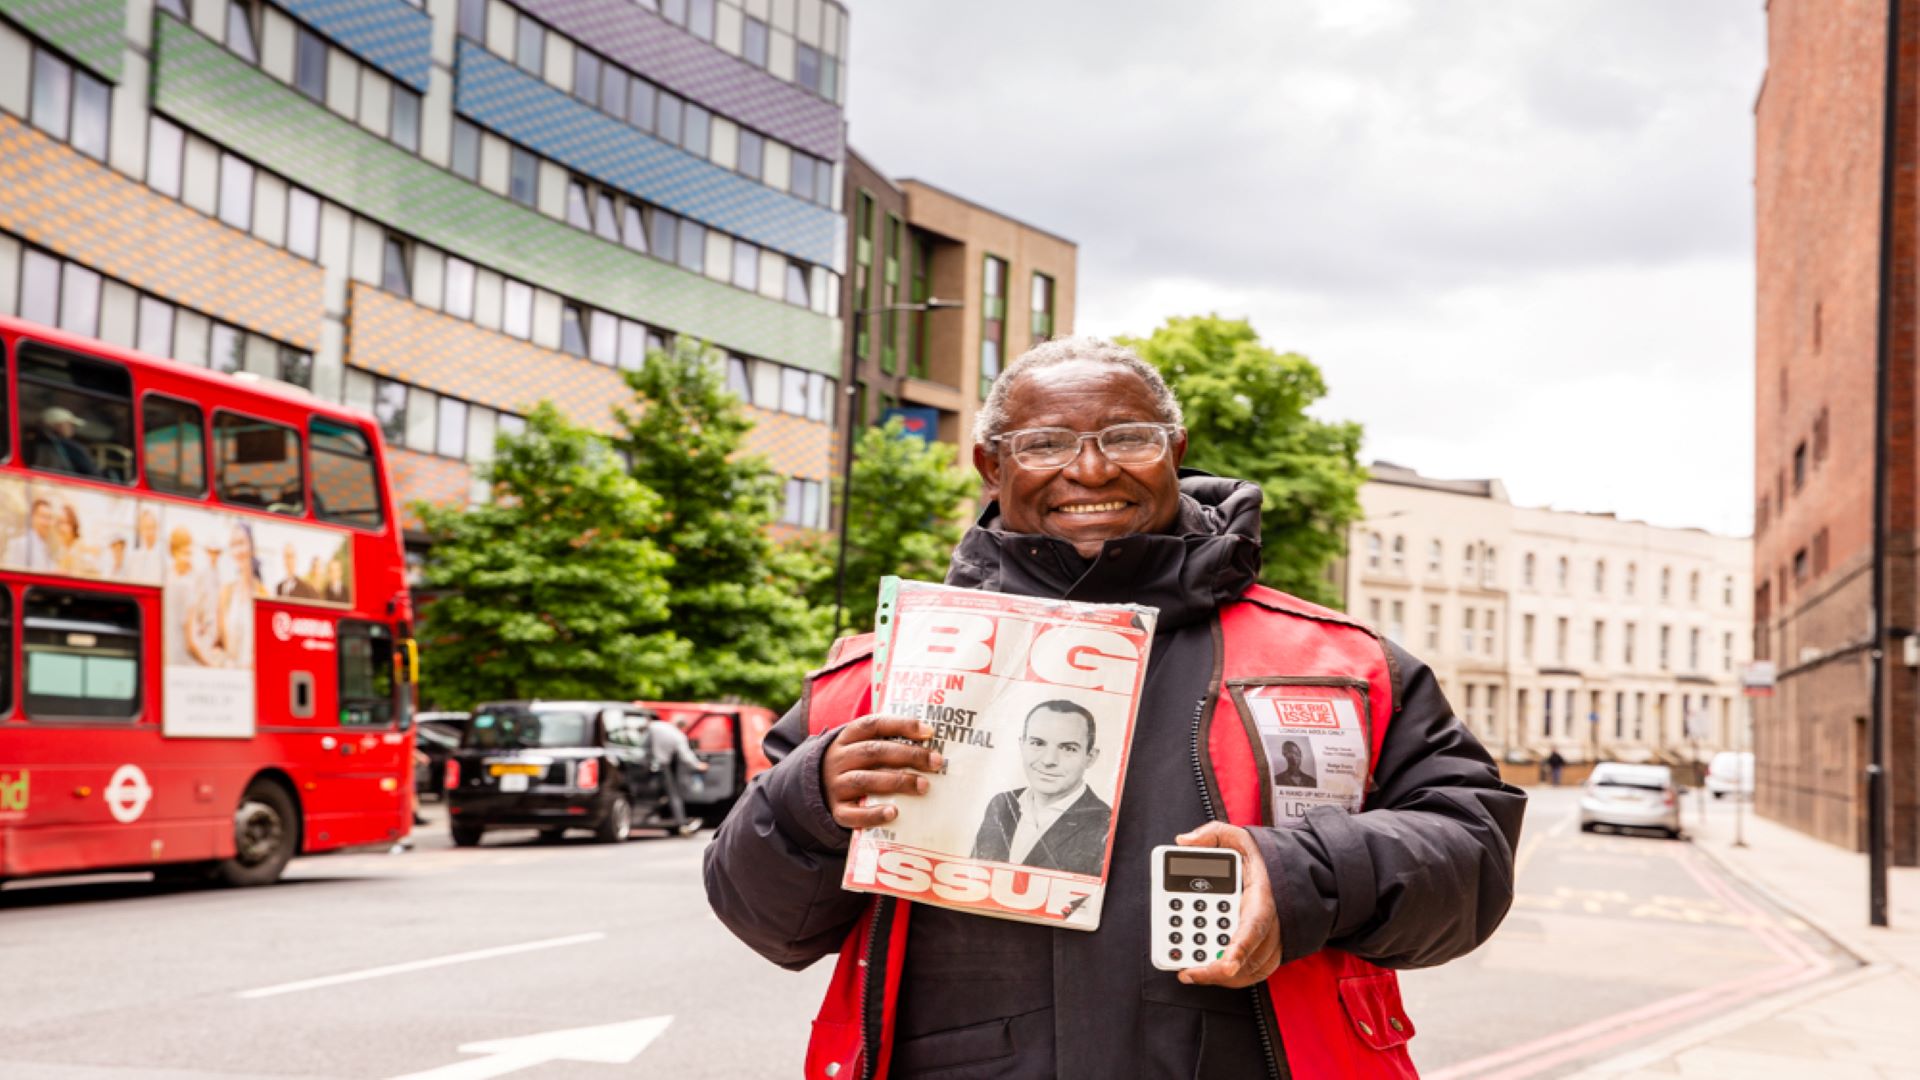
(1055, 822)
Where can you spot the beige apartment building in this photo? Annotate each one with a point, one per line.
(1598, 637)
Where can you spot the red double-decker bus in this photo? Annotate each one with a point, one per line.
(204, 621)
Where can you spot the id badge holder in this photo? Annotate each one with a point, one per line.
(1312, 741)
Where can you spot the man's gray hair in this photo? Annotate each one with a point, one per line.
(992, 420)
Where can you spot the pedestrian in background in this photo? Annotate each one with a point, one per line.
(671, 750)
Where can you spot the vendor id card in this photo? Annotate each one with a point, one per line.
(1314, 739)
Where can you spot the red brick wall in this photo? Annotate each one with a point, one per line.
(1818, 126)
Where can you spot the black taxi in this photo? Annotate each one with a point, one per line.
(553, 766)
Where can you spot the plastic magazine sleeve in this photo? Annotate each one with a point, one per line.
(1032, 702)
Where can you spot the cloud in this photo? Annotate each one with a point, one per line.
(1551, 203)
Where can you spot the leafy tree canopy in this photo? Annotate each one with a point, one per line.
(1246, 409)
(555, 589)
(905, 520)
(736, 598)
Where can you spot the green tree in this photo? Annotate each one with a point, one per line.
(556, 588)
(737, 599)
(1246, 408)
(907, 497)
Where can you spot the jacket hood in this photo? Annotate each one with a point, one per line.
(1211, 556)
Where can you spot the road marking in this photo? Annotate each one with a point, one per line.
(607, 1044)
(1801, 965)
(419, 965)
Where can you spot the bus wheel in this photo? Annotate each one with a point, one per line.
(617, 824)
(265, 832)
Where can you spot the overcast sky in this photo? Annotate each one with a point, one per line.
(1516, 236)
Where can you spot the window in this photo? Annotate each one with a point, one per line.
(517, 309)
(614, 91)
(530, 46)
(390, 408)
(1666, 650)
(633, 231)
(92, 104)
(1726, 591)
(692, 250)
(367, 689)
(603, 337)
(466, 150)
(1436, 555)
(752, 156)
(667, 115)
(1486, 633)
(310, 60)
(1666, 583)
(739, 382)
(1560, 571)
(753, 42)
(802, 180)
(793, 391)
(1599, 641)
(642, 104)
(452, 438)
(1546, 716)
(993, 330)
(578, 215)
(236, 192)
(523, 177)
(1468, 567)
(1526, 570)
(472, 20)
(695, 130)
(606, 218)
(586, 76)
(393, 266)
(1399, 554)
(1693, 649)
(173, 439)
(52, 105)
(806, 67)
(666, 233)
(1526, 636)
(76, 415)
(675, 11)
(631, 354)
(405, 127)
(458, 301)
(1397, 626)
(1626, 644)
(293, 366)
(1561, 633)
(1633, 573)
(303, 223)
(79, 300)
(155, 335)
(40, 288)
(1433, 627)
(746, 265)
(700, 19)
(257, 463)
(1042, 325)
(1373, 551)
(1466, 631)
(1600, 576)
(82, 655)
(1489, 567)
(1726, 651)
(573, 331)
(796, 292)
(166, 145)
(1693, 587)
(346, 484)
(240, 32)
(1800, 564)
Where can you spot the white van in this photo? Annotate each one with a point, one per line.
(1731, 773)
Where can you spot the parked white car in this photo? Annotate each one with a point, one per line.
(1731, 773)
(1631, 796)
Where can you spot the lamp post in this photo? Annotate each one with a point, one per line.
(932, 303)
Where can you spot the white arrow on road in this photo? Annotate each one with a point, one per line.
(608, 1044)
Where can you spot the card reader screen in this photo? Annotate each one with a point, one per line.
(1200, 873)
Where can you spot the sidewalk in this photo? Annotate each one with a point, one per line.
(1863, 1023)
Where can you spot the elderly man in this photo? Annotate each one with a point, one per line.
(57, 446)
(1079, 446)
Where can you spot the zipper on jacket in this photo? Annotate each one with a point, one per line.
(1262, 998)
(871, 1025)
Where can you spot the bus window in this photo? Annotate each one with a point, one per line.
(174, 445)
(6, 429)
(6, 644)
(366, 674)
(346, 486)
(257, 463)
(76, 415)
(83, 655)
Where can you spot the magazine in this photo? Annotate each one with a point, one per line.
(1032, 704)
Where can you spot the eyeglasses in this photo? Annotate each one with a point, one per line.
(1055, 448)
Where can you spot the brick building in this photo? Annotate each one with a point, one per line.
(1818, 124)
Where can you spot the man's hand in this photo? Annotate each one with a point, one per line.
(1254, 952)
(865, 760)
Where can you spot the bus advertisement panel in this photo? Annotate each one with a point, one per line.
(204, 619)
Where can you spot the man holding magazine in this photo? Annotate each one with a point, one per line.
(1404, 858)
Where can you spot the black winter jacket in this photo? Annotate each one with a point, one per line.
(1424, 874)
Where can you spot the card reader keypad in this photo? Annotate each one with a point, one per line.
(1195, 905)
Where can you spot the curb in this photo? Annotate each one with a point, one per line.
(1862, 952)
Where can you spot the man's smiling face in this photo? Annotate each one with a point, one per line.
(1091, 500)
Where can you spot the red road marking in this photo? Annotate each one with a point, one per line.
(1802, 965)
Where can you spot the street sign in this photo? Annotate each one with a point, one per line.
(1757, 678)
